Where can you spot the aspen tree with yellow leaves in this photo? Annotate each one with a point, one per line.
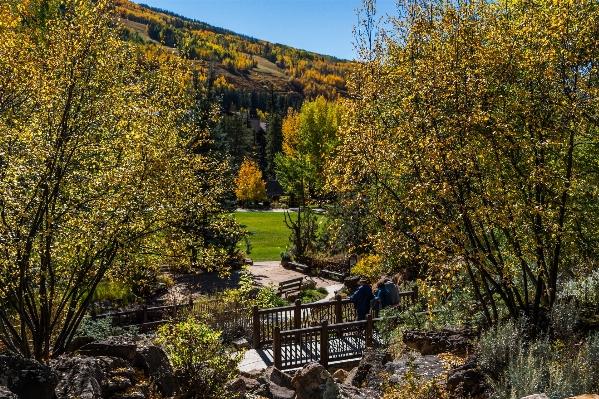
(472, 133)
(96, 166)
(249, 184)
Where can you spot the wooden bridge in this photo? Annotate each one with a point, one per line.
(325, 331)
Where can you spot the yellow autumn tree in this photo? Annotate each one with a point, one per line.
(472, 136)
(97, 166)
(250, 186)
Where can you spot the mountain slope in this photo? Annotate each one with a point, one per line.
(246, 63)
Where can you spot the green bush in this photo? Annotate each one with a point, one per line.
(519, 367)
(101, 328)
(197, 351)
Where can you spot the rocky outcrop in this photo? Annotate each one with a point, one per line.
(27, 378)
(368, 374)
(5, 393)
(467, 380)
(426, 367)
(120, 346)
(312, 382)
(536, 396)
(155, 364)
(450, 340)
(80, 377)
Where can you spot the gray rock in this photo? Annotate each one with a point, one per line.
(27, 378)
(121, 346)
(241, 343)
(279, 392)
(433, 343)
(310, 382)
(5, 393)
(118, 373)
(155, 364)
(278, 377)
(236, 387)
(536, 396)
(467, 380)
(78, 342)
(350, 392)
(80, 377)
(368, 372)
(427, 367)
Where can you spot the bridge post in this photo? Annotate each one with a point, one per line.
(297, 319)
(277, 347)
(338, 312)
(144, 318)
(256, 327)
(369, 330)
(324, 344)
(414, 294)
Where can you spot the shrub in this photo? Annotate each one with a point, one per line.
(585, 290)
(114, 291)
(370, 266)
(197, 351)
(101, 328)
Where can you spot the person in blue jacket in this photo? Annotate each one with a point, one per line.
(383, 296)
(361, 299)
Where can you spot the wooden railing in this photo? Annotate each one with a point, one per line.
(325, 343)
(146, 318)
(299, 316)
(221, 316)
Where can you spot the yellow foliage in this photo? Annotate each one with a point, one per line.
(250, 186)
(369, 266)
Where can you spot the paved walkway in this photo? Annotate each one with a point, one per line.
(205, 283)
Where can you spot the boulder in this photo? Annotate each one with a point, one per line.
(155, 364)
(78, 342)
(308, 285)
(119, 346)
(279, 392)
(278, 377)
(427, 367)
(536, 396)
(467, 380)
(311, 381)
(235, 388)
(5, 393)
(118, 374)
(340, 375)
(368, 372)
(433, 343)
(80, 377)
(350, 392)
(27, 378)
(241, 343)
(585, 396)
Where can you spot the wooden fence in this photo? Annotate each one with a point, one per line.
(325, 343)
(300, 316)
(146, 318)
(220, 316)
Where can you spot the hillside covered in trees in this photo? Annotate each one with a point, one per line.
(247, 70)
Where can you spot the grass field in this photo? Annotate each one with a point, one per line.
(270, 235)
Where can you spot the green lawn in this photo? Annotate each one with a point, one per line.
(270, 235)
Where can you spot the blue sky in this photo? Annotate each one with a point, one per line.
(322, 26)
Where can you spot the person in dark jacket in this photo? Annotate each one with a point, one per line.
(361, 299)
(393, 290)
(383, 296)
